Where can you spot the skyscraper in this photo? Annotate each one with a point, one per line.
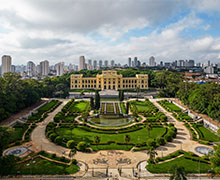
(31, 69)
(44, 68)
(135, 61)
(82, 64)
(100, 63)
(6, 64)
(106, 63)
(59, 68)
(129, 62)
(151, 61)
(112, 63)
(95, 64)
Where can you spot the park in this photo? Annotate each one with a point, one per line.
(96, 137)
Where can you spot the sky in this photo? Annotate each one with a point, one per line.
(58, 31)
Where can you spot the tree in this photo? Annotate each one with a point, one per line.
(137, 90)
(152, 154)
(4, 138)
(58, 140)
(82, 93)
(127, 107)
(7, 165)
(97, 100)
(127, 138)
(92, 102)
(121, 95)
(215, 160)
(97, 140)
(151, 143)
(148, 128)
(85, 116)
(72, 153)
(178, 173)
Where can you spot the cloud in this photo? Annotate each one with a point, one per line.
(49, 29)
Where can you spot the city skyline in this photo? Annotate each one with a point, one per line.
(38, 30)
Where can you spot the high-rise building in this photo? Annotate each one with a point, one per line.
(90, 62)
(95, 64)
(44, 68)
(82, 64)
(13, 68)
(112, 63)
(161, 63)
(106, 63)
(100, 63)
(209, 70)
(218, 65)
(135, 61)
(152, 61)
(31, 69)
(209, 63)
(129, 62)
(59, 69)
(6, 64)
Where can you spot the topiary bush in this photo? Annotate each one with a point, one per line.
(71, 144)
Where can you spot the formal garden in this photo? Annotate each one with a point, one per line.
(148, 127)
(198, 131)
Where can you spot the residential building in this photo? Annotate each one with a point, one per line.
(82, 63)
(59, 69)
(129, 62)
(100, 63)
(109, 79)
(112, 63)
(6, 64)
(106, 63)
(44, 68)
(31, 69)
(152, 61)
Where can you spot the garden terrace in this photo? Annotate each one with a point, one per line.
(79, 107)
(205, 134)
(40, 166)
(169, 106)
(188, 161)
(109, 139)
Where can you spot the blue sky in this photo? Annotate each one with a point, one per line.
(110, 29)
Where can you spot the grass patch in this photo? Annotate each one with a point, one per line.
(206, 134)
(79, 106)
(40, 166)
(123, 110)
(191, 166)
(141, 106)
(138, 136)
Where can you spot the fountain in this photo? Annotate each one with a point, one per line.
(203, 149)
(17, 151)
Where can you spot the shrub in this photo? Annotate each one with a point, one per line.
(151, 143)
(81, 146)
(161, 141)
(53, 155)
(168, 138)
(74, 161)
(58, 140)
(71, 144)
(52, 137)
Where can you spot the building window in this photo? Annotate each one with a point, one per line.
(76, 81)
(99, 86)
(82, 81)
(94, 86)
(94, 81)
(142, 81)
(118, 86)
(75, 86)
(82, 86)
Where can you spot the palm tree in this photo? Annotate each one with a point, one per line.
(152, 153)
(149, 128)
(178, 173)
(97, 140)
(72, 153)
(127, 139)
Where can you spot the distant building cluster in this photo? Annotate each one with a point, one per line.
(43, 69)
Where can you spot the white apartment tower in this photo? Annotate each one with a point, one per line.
(44, 68)
(82, 64)
(59, 68)
(152, 61)
(31, 69)
(6, 64)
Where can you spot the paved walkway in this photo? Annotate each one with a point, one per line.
(183, 139)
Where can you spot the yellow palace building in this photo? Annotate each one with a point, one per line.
(109, 80)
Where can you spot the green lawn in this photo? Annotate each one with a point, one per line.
(47, 106)
(79, 106)
(18, 131)
(172, 106)
(139, 136)
(45, 167)
(189, 165)
(141, 106)
(122, 105)
(208, 135)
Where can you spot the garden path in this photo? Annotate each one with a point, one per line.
(183, 139)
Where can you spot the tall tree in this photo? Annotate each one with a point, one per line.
(178, 173)
(97, 100)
